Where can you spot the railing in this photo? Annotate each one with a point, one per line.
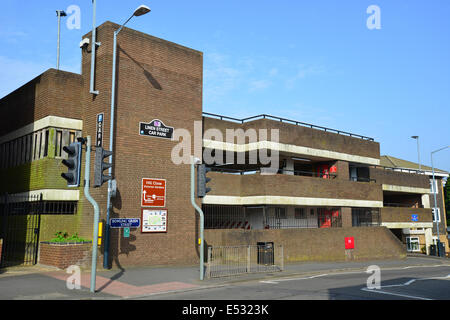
(298, 123)
(362, 217)
(229, 261)
(277, 171)
(401, 205)
(361, 179)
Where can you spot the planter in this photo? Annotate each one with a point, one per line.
(63, 255)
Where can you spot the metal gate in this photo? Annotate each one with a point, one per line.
(19, 228)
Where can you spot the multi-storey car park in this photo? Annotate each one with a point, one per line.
(322, 186)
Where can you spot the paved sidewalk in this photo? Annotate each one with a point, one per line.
(46, 283)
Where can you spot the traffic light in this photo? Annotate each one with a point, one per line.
(202, 180)
(73, 163)
(100, 166)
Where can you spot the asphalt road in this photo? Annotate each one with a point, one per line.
(406, 283)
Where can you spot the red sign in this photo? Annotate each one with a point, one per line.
(349, 243)
(153, 193)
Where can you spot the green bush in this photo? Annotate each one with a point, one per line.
(63, 236)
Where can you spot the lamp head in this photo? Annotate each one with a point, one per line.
(141, 10)
(415, 137)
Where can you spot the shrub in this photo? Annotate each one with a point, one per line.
(63, 236)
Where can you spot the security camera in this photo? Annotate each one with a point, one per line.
(84, 43)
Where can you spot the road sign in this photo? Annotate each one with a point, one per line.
(153, 192)
(415, 217)
(126, 232)
(156, 128)
(154, 220)
(99, 130)
(125, 223)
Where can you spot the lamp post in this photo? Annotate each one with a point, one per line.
(418, 151)
(435, 201)
(141, 10)
(59, 14)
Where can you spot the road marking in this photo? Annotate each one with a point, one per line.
(404, 285)
(394, 294)
(276, 281)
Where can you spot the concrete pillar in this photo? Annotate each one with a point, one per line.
(426, 201)
(289, 167)
(342, 170)
(428, 239)
(346, 217)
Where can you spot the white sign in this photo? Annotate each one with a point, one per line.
(154, 220)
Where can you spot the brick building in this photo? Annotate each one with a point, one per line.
(323, 185)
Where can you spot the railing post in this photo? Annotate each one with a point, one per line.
(248, 258)
(208, 263)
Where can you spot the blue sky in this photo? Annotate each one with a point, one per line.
(311, 61)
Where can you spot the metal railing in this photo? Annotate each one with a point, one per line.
(362, 217)
(226, 261)
(313, 174)
(401, 205)
(298, 123)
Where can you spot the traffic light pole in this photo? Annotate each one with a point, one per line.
(202, 220)
(96, 212)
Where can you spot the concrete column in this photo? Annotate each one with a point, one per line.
(346, 217)
(426, 201)
(342, 170)
(428, 239)
(289, 167)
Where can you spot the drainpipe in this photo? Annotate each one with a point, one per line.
(200, 212)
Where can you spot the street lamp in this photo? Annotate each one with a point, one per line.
(418, 151)
(435, 201)
(141, 10)
(59, 14)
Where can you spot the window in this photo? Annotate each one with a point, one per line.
(300, 213)
(436, 215)
(280, 213)
(433, 190)
(412, 244)
(58, 144)
(71, 137)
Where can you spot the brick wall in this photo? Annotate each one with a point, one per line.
(65, 255)
(156, 79)
(399, 178)
(303, 136)
(317, 244)
(287, 185)
(55, 93)
(394, 214)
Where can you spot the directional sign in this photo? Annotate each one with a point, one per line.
(153, 192)
(156, 128)
(125, 223)
(99, 130)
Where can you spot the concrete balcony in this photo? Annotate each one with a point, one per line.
(396, 181)
(397, 217)
(279, 189)
(295, 138)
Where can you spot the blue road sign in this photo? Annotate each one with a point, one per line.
(415, 217)
(125, 223)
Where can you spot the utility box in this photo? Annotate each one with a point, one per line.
(265, 253)
(441, 249)
(433, 250)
